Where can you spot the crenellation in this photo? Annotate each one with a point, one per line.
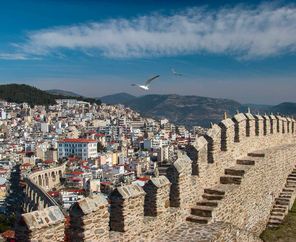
(280, 124)
(266, 125)
(227, 134)
(127, 208)
(289, 124)
(240, 124)
(164, 203)
(179, 176)
(258, 125)
(157, 198)
(89, 219)
(44, 225)
(213, 137)
(201, 146)
(273, 124)
(285, 125)
(250, 125)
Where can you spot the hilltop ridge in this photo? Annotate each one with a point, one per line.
(20, 93)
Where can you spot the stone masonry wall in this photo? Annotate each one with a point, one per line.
(157, 196)
(45, 225)
(248, 206)
(89, 219)
(127, 203)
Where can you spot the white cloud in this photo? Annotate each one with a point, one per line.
(12, 56)
(242, 32)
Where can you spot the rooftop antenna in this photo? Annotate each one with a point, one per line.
(249, 110)
(212, 125)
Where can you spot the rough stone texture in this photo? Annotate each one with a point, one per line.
(179, 176)
(89, 219)
(216, 232)
(259, 130)
(127, 209)
(44, 225)
(273, 124)
(250, 125)
(248, 205)
(227, 134)
(157, 199)
(280, 124)
(266, 125)
(240, 123)
(213, 137)
(245, 207)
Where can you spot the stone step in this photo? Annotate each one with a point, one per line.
(277, 218)
(280, 206)
(291, 179)
(202, 211)
(245, 162)
(288, 196)
(292, 175)
(273, 225)
(256, 154)
(234, 171)
(288, 190)
(278, 214)
(279, 210)
(212, 196)
(214, 191)
(197, 219)
(282, 201)
(231, 179)
(208, 203)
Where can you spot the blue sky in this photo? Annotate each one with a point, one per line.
(239, 50)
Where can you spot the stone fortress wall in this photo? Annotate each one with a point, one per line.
(221, 165)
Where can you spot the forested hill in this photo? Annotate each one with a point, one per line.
(20, 93)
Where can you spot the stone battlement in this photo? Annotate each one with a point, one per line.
(164, 203)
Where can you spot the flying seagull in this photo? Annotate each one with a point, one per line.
(146, 86)
(175, 73)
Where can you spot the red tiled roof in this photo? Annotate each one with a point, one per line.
(77, 141)
(9, 234)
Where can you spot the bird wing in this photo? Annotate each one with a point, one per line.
(150, 80)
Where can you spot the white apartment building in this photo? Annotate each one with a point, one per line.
(84, 148)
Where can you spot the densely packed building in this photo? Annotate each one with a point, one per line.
(103, 146)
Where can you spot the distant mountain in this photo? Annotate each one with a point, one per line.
(20, 93)
(286, 108)
(186, 110)
(118, 98)
(63, 93)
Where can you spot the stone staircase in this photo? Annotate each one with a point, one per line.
(283, 202)
(202, 212)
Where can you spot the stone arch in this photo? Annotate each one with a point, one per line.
(53, 177)
(46, 179)
(39, 180)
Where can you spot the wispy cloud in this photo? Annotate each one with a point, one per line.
(13, 56)
(241, 31)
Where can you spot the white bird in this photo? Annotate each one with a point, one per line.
(176, 73)
(146, 86)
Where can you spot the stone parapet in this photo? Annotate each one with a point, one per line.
(239, 126)
(89, 219)
(127, 208)
(44, 225)
(157, 198)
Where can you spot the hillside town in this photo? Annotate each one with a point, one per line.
(103, 146)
